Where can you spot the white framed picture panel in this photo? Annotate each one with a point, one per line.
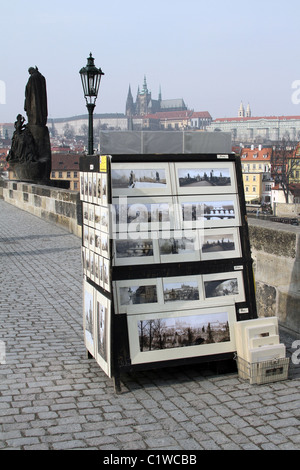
(140, 179)
(177, 335)
(205, 178)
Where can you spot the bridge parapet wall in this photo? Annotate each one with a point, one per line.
(59, 206)
(275, 247)
(275, 250)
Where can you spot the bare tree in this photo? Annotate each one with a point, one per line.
(283, 165)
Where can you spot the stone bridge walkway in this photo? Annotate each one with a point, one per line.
(53, 397)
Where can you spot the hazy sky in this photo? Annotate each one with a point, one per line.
(211, 53)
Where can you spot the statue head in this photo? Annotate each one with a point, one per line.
(32, 70)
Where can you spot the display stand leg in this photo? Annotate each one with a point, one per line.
(117, 384)
(88, 355)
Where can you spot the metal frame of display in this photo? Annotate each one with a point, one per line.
(121, 340)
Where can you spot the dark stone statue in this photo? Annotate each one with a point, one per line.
(36, 98)
(30, 153)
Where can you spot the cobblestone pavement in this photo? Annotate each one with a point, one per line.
(53, 397)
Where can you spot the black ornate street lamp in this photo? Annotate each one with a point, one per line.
(90, 78)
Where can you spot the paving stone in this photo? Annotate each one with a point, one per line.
(53, 397)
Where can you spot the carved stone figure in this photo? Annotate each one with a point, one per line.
(36, 98)
(30, 153)
(23, 147)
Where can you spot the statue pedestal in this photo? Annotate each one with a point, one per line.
(38, 169)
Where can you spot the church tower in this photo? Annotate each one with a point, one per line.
(248, 111)
(241, 112)
(129, 104)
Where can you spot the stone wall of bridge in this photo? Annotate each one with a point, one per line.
(275, 247)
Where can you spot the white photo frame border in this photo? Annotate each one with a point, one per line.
(105, 364)
(138, 308)
(145, 191)
(143, 357)
(141, 225)
(203, 165)
(220, 254)
(88, 300)
(204, 223)
(226, 275)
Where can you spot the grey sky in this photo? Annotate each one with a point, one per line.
(212, 54)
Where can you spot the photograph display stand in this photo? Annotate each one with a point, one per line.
(167, 269)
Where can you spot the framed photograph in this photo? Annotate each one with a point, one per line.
(98, 236)
(178, 245)
(91, 238)
(103, 332)
(205, 212)
(98, 188)
(92, 265)
(144, 215)
(181, 292)
(135, 251)
(88, 317)
(82, 186)
(97, 217)
(106, 274)
(221, 287)
(90, 187)
(205, 178)
(85, 213)
(140, 179)
(137, 295)
(91, 212)
(105, 251)
(104, 220)
(219, 243)
(104, 189)
(86, 236)
(166, 336)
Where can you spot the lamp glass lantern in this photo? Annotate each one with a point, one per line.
(90, 79)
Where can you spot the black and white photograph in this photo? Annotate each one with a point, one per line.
(88, 320)
(140, 179)
(135, 295)
(91, 209)
(98, 236)
(145, 215)
(221, 287)
(220, 243)
(177, 246)
(104, 245)
(185, 290)
(217, 243)
(101, 313)
(106, 274)
(99, 188)
(104, 219)
(97, 218)
(86, 236)
(201, 212)
(134, 248)
(179, 332)
(82, 195)
(85, 213)
(103, 326)
(205, 178)
(103, 189)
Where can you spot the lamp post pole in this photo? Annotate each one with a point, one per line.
(90, 108)
(90, 78)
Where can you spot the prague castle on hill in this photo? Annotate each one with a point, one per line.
(147, 113)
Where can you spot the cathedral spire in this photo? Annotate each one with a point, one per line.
(159, 94)
(129, 103)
